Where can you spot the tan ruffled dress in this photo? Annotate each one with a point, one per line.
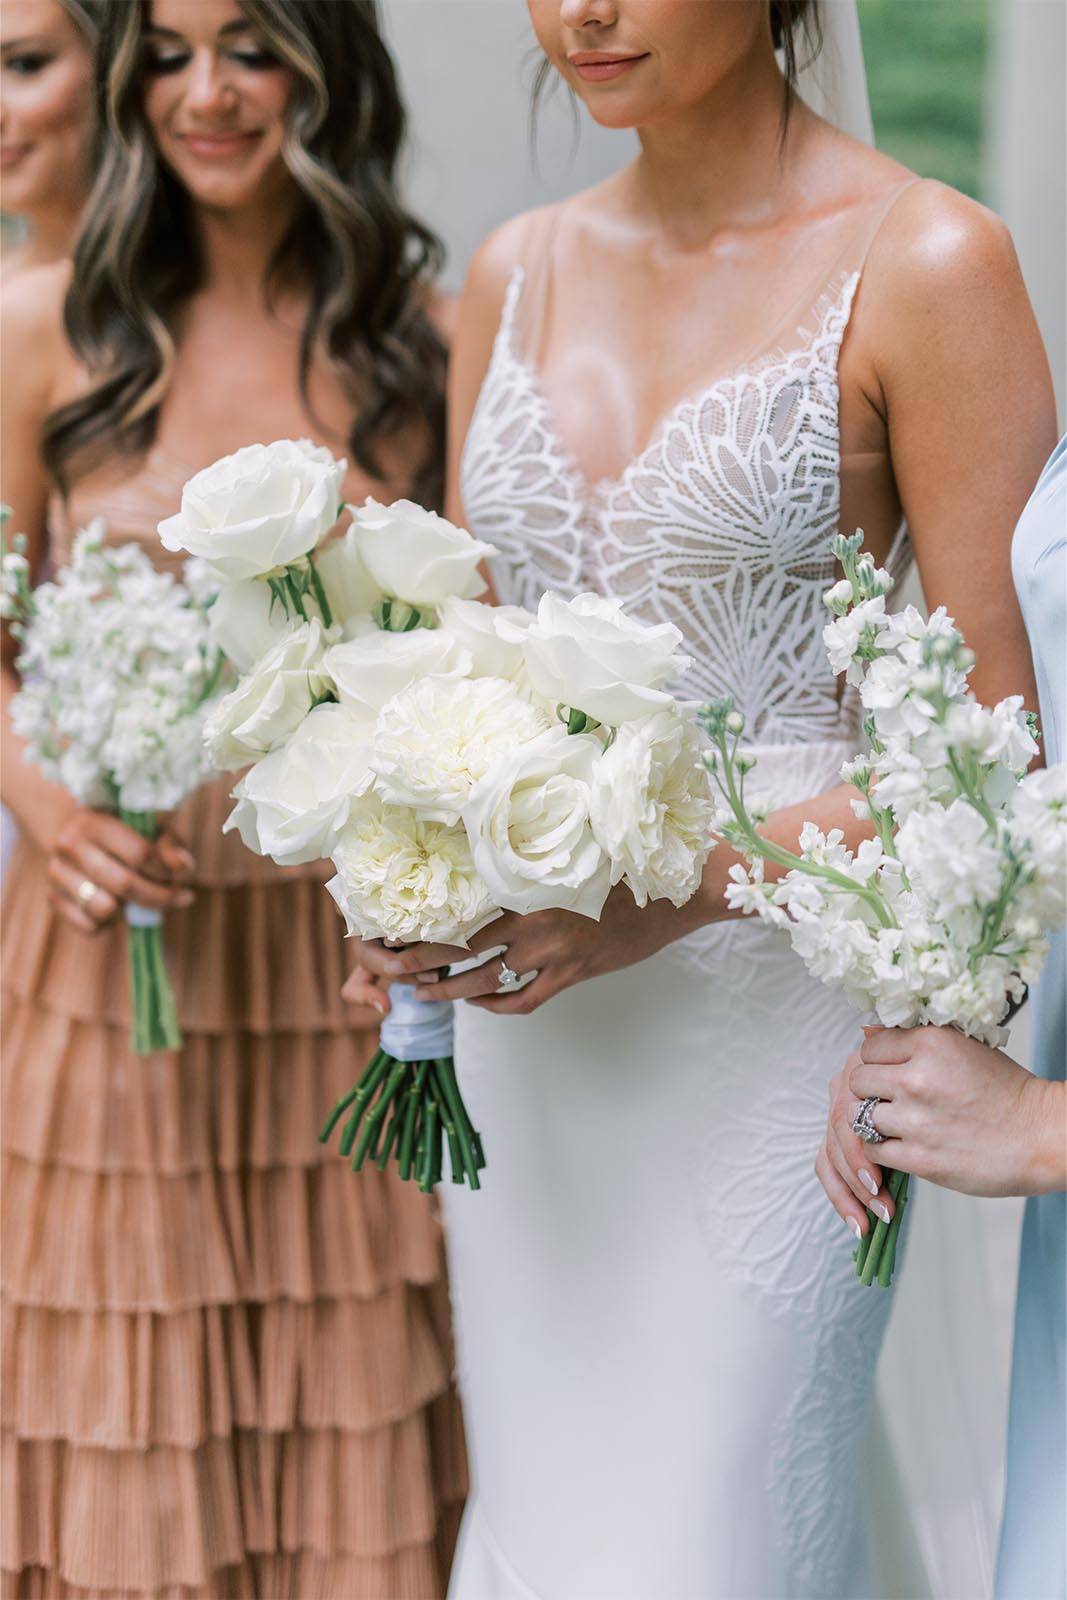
(226, 1357)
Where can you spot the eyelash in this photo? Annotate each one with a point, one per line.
(27, 66)
(252, 60)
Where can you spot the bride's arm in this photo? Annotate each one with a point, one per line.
(951, 365)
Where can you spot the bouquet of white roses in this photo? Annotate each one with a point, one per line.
(941, 917)
(118, 675)
(455, 760)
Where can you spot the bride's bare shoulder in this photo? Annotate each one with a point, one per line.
(938, 249)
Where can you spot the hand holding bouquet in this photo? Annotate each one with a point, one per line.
(118, 675)
(454, 760)
(941, 917)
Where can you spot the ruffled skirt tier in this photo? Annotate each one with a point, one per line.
(226, 1358)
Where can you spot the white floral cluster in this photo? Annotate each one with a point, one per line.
(941, 917)
(118, 669)
(453, 759)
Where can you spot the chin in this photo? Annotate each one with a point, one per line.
(619, 110)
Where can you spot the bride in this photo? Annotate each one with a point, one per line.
(674, 388)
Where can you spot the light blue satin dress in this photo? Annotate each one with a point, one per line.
(1033, 1549)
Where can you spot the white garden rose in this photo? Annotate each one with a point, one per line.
(271, 700)
(528, 820)
(350, 590)
(416, 556)
(404, 878)
(440, 735)
(245, 622)
(652, 807)
(477, 628)
(292, 805)
(374, 667)
(259, 509)
(586, 653)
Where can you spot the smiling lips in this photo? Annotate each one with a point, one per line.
(12, 154)
(595, 66)
(218, 145)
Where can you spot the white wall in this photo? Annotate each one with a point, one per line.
(466, 67)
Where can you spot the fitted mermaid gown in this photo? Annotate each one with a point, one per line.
(666, 1361)
(227, 1363)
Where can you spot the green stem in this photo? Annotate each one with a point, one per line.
(411, 1119)
(889, 1252)
(318, 589)
(445, 1077)
(429, 1147)
(373, 1119)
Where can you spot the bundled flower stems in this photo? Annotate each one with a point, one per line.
(119, 672)
(454, 760)
(941, 916)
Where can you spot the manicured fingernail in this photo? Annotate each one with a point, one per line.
(186, 898)
(865, 1178)
(880, 1209)
(424, 994)
(429, 977)
(378, 1001)
(854, 1225)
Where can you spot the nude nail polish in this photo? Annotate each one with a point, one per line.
(854, 1225)
(880, 1209)
(866, 1179)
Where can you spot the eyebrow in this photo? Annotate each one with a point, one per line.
(39, 39)
(238, 25)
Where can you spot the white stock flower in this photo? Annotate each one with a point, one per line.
(271, 700)
(259, 509)
(588, 654)
(372, 668)
(652, 807)
(949, 853)
(245, 622)
(862, 628)
(436, 738)
(529, 826)
(292, 805)
(416, 556)
(402, 877)
(1037, 823)
(477, 627)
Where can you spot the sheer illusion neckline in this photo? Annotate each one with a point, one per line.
(583, 485)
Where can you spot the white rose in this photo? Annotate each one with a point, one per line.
(262, 508)
(245, 623)
(401, 877)
(375, 667)
(588, 654)
(351, 591)
(440, 735)
(529, 826)
(477, 628)
(271, 700)
(652, 807)
(292, 804)
(416, 556)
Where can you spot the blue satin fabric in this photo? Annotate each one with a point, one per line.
(1033, 1549)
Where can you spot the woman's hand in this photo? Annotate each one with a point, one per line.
(954, 1111)
(560, 947)
(844, 1166)
(97, 863)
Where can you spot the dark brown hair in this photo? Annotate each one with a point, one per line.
(366, 261)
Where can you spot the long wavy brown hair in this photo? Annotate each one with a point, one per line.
(367, 263)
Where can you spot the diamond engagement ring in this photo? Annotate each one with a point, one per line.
(87, 891)
(508, 979)
(863, 1127)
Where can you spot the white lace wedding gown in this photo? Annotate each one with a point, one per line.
(665, 1358)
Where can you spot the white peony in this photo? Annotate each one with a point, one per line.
(292, 805)
(652, 807)
(528, 820)
(372, 668)
(271, 700)
(586, 653)
(416, 556)
(477, 627)
(440, 735)
(404, 878)
(259, 509)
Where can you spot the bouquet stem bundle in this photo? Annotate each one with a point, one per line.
(155, 1021)
(406, 1110)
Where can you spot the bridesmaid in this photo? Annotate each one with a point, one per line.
(963, 1115)
(45, 124)
(227, 1360)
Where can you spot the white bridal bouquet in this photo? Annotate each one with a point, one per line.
(454, 760)
(119, 671)
(941, 917)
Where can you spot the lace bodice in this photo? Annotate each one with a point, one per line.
(721, 525)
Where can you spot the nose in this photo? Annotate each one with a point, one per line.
(207, 92)
(588, 13)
